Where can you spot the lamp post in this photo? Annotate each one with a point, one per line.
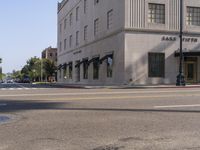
(0, 70)
(180, 77)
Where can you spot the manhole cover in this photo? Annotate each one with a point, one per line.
(4, 119)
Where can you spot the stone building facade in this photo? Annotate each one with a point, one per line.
(107, 42)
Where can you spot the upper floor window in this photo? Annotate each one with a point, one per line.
(65, 44)
(85, 6)
(96, 2)
(109, 19)
(70, 41)
(60, 46)
(70, 19)
(65, 23)
(77, 13)
(96, 26)
(60, 27)
(156, 13)
(193, 16)
(85, 32)
(77, 38)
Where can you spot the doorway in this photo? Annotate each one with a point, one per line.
(78, 71)
(191, 70)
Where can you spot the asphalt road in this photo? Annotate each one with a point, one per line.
(45, 118)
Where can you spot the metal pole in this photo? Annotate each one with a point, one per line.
(180, 78)
(41, 71)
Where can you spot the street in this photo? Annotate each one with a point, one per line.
(47, 118)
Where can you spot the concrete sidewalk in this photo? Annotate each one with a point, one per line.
(63, 85)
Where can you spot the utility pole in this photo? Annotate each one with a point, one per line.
(1, 73)
(180, 78)
(41, 70)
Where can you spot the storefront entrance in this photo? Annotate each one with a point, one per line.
(77, 71)
(190, 69)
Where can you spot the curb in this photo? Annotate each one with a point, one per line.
(122, 87)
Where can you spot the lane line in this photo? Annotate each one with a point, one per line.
(178, 106)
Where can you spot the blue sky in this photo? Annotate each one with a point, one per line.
(26, 28)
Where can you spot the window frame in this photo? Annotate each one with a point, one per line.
(156, 13)
(156, 65)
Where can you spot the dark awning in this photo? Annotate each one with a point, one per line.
(187, 53)
(81, 62)
(105, 57)
(59, 66)
(95, 59)
(64, 66)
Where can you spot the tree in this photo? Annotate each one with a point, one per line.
(32, 69)
(49, 69)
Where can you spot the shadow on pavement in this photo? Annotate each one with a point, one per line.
(18, 105)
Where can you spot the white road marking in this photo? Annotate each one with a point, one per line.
(178, 106)
(12, 89)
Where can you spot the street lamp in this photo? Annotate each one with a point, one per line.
(180, 77)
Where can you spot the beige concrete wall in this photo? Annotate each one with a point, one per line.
(136, 15)
(137, 46)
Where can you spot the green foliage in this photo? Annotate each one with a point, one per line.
(36, 67)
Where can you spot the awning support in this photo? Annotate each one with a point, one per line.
(105, 58)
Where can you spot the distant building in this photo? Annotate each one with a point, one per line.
(50, 53)
(127, 41)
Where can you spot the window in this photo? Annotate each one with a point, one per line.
(85, 6)
(70, 41)
(96, 26)
(50, 54)
(60, 46)
(65, 44)
(65, 23)
(193, 16)
(70, 19)
(156, 13)
(96, 69)
(109, 19)
(61, 28)
(60, 73)
(77, 13)
(65, 72)
(85, 68)
(109, 66)
(156, 65)
(96, 2)
(70, 70)
(85, 33)
(77, 38)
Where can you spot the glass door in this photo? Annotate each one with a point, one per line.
(191, 72)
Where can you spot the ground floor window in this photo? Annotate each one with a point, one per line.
(70, 70)
(96, 69)
(64, 71)
(109, 66)
(85, 69)
(156, 67)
